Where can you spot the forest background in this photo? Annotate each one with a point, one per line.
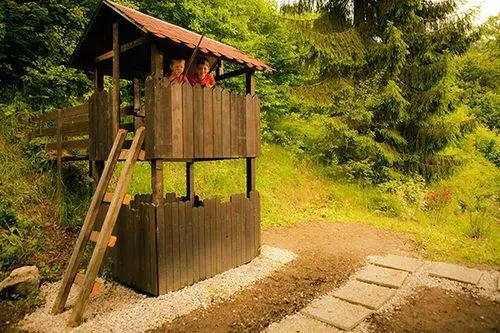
(380, 112)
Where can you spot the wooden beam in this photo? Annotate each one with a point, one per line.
(138, 120)
(115, 97)
(250, 175)
(190, 180)
(94, 237)
(156, 62)
(96, 287)
(220, 68)
(123, 48)
(157, 181)
(109, 196)
(228, 75)
(250, 83)
(98, 79)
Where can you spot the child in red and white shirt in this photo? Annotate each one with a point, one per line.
(202, 75)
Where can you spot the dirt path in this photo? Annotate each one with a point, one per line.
(327, 254)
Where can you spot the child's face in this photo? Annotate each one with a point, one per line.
(177, 67)
(202, 70)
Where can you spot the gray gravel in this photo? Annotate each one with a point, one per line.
(119, 309)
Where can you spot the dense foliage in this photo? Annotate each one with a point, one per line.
(393, 92)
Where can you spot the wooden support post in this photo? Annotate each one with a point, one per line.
(96, 167)
(190, 180)
(156, 164)
(250, 89)
(250, 82)
(138, 121)
(220, 68)
(115, 96)
(250, 175)
(98, 79)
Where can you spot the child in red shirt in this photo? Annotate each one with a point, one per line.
(176, 68)
(202, 75)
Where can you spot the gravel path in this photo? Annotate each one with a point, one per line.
(119, 309)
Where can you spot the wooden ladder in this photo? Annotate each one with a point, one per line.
(107, 227)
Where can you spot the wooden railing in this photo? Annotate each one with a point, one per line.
(65, 129)
(186, 122)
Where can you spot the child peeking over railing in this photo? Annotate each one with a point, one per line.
(176, 70)
(202, 74)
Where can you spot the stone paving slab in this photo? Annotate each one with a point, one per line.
(336, 312)
(301, 323)
(397, 262)
(455, 272)
(366, 294)
(382, 276)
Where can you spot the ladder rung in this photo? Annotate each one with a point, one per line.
(94, 236)
(124, 154)
(109, 196)
(96, 286)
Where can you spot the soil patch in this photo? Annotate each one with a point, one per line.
(328, 253)
(438, 310)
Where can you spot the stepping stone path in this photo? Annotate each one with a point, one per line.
(397, 262)
(371, 288)
(387, 277)
(454, 272)
(366, 294)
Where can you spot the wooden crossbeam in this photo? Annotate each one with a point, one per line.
(109, 196)
(94, 236)
(96, 287)
(123, 48)
(125, 152)
(228, 75)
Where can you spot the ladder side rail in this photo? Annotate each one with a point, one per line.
(106, 230)
(88, 224)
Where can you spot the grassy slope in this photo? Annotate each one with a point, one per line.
(292, 191)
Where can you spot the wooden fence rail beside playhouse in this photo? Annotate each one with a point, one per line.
(157, 243)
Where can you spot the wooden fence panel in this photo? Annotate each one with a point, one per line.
(201, 242)
(198, 120)
(196, 245)
(234, 125)
(182, 244)
(169, 247)
(217, 121)
(189, 243)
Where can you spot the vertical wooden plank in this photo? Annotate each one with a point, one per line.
(162, 255)
(213, 238)
(234, 125)
(251, 129)
(168, 247)
(201, 242)
(217, 119)
(248, 230)
(115, 110)
(149, 110)
(143, 275)
(258, 240)
(151, 254)
(220, 234)
(182, 244)
(176, 249)
(177, 126)
(208, 239)
(240, 229)
(208, 123)
(196, 246)
(242, 127)
(189, 243)
(234, 231)
(198, 120)
(164, 118)
(187, 120)
(250, 83)
(252, 232)
(257, 122)
(226, 123)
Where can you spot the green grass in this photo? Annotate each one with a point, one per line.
(293, 191)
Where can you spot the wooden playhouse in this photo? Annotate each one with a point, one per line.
(162, 242)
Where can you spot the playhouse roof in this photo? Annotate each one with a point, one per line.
(180, 40)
